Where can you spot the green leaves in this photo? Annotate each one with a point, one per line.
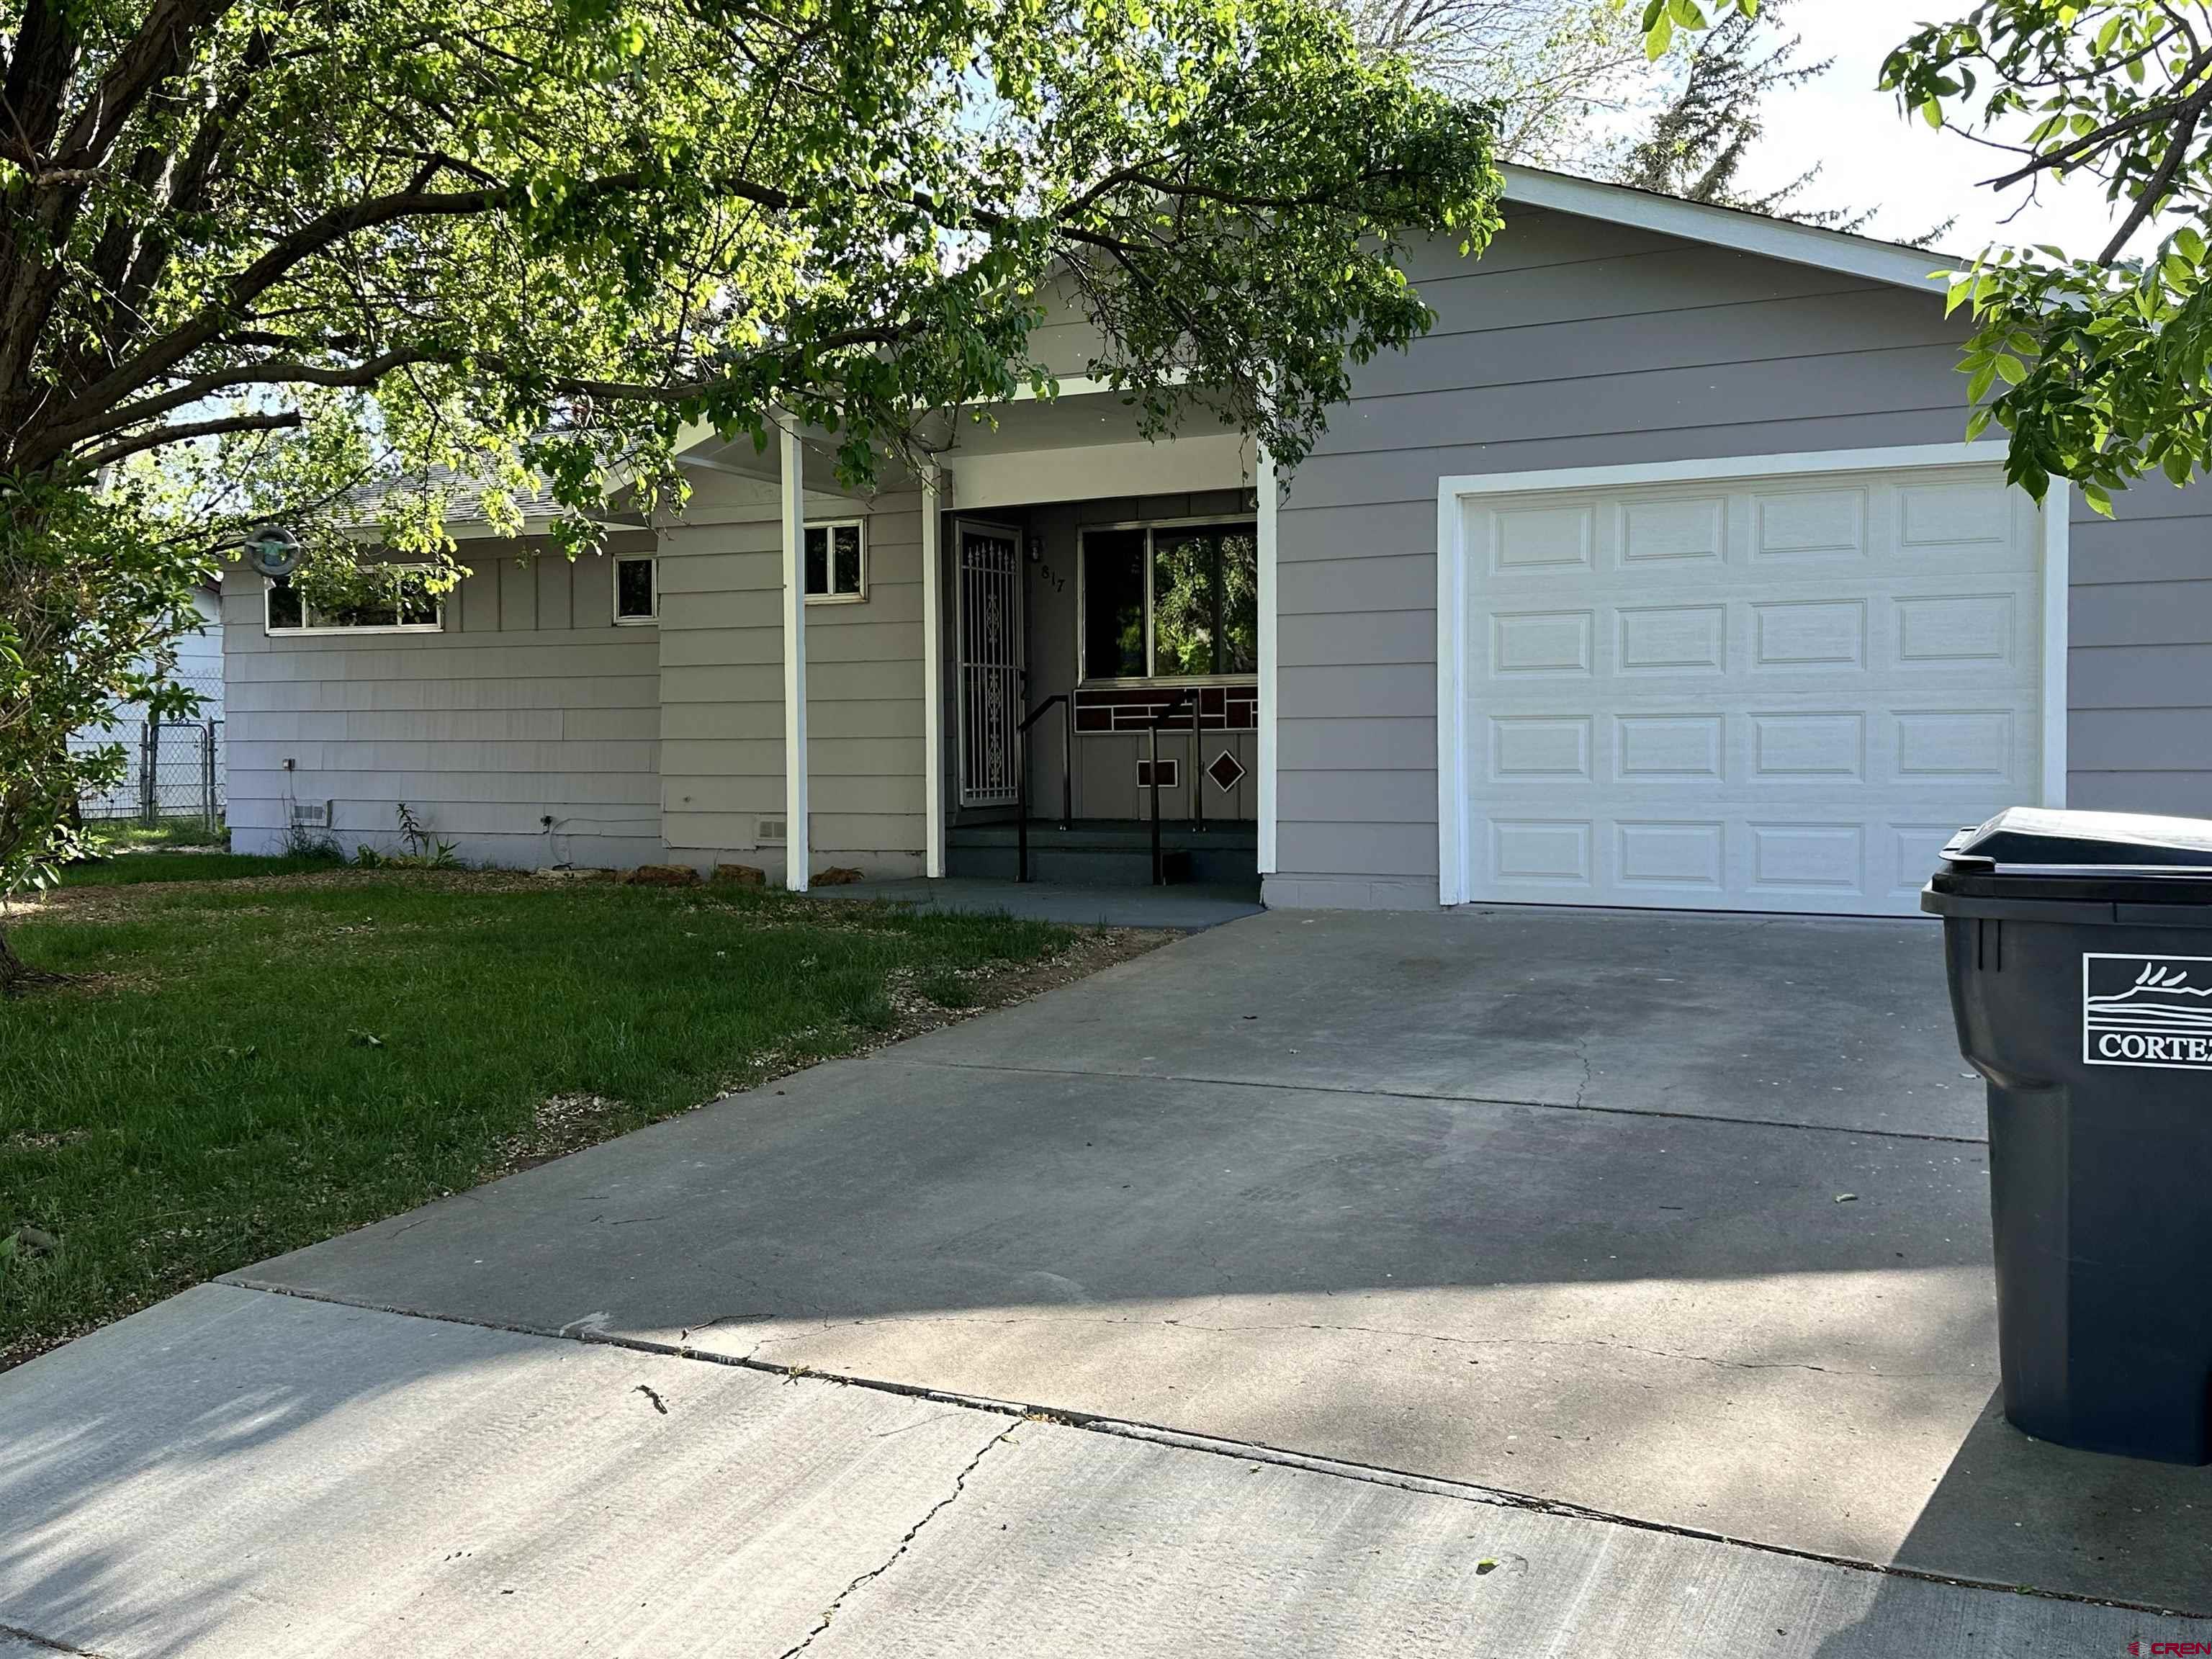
(2095, 365)
(1662, 18)
(443, 257)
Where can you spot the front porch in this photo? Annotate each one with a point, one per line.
(1104, 639)
(1045, 619)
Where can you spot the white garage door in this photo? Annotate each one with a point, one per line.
(1777, 694)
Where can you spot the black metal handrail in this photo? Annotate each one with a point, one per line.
(1174, 704)
(1022, 783)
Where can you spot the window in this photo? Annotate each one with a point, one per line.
(637, 590)
(837, 562)
(392, 599)
(1205, 601)
(1114, 605)
(1171, 602)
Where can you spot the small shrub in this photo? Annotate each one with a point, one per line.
(300, 842)
(424, 850)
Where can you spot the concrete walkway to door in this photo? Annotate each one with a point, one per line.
(1671, 1228)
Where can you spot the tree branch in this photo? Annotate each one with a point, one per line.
(151, 362)
(2148, 199)
(155, 437)
(168, 39)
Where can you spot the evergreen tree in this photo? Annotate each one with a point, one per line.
(1701, 137)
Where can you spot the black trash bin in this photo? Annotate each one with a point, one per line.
(2079, 953)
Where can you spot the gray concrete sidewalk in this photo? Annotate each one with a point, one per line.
(242, 1474)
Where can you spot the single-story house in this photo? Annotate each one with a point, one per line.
(180, 748)
(1657, 574)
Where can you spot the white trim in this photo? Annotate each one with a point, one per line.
(1730, 228)
(1270, 502)
(615, 562)
(706, 462)
(1807, 462)
(797, 840)
(2057, 582)
(1451, 657)
(1451, 594)
(829, 527)
(1074, 386)
(932, 674)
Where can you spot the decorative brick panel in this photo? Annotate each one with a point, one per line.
(1100, 708)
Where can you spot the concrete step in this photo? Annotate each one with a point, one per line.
(1104, 856)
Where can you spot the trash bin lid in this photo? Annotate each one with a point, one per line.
(2040, 841)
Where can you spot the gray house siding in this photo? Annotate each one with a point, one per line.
(2139, 661)
(1576, 343)
(530, 704)
(1572, 344)
(721, 678)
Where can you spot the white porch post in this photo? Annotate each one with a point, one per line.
(796, 841)
(1265, 479)
(932, 674)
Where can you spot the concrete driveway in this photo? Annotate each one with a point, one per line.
(1637, 1263)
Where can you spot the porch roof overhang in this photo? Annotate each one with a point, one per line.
(1087, 443)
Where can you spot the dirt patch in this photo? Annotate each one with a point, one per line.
(92, 902)
(917, 1005)
(562, 1124)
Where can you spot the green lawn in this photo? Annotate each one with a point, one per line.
(242, 1067)
(131, 869)
(178, 849)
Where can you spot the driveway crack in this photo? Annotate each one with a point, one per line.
(775, 1338)
(959, 1485)
(46, 1643)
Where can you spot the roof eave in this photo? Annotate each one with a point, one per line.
(1863, 256)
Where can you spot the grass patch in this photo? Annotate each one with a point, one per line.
(946, 988)
(240, 1070)
(127, 835)
(132, 869)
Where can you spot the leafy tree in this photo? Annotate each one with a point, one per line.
(255, 252)
(1548, 69)
(2098, 367)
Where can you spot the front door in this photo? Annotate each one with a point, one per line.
(990, 662)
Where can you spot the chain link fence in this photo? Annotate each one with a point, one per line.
(173, 768)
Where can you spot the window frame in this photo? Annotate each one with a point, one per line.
(829, 528)
(1150, 526)
(616, 562)
(311, 629)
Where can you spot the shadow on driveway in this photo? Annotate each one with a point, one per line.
(1681, 1219)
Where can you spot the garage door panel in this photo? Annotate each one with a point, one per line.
(1664, 533)
(1798, 525)
(1663, 748)
(1773, 695)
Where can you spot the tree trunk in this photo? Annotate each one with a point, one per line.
(16, 976)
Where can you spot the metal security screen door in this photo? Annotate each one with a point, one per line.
(990, 663)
